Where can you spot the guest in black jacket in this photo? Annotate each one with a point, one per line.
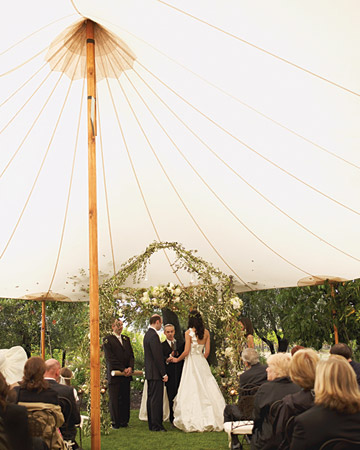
(14, 429)
(276, 388)
(302, 372)
(119, 356)
(68, 407)
(254, 375)
(33, 387)
(336, 413)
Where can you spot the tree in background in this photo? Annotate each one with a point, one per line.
(306, 315)
(66, 326)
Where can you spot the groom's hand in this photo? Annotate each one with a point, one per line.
(128, 371)
(165, 378)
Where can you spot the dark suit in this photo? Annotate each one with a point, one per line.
(118, 357)
(173, 371)
(154, 373)
(255, 375)
(71, 417)
(319, 424)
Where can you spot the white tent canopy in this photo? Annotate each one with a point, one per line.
(235, 132)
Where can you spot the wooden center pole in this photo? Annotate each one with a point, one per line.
(336, 334)
(43, 328)
(93, 241)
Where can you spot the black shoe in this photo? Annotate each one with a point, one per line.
(114, 427)
(124, 425)
(236, 446)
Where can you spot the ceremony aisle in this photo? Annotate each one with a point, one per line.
(138, 436)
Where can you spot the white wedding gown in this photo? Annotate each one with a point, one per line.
(199, 404)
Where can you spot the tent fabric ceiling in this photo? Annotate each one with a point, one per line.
(229, 127)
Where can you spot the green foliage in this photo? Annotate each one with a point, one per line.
(306, 316)
(20, 321)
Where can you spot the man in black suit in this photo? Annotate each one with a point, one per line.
(119, 356)
(155, 374)
(173, 370)
(69, 408)
(254, 375)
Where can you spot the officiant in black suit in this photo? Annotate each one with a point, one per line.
(155, 374)
(174, 370)
(119, 356)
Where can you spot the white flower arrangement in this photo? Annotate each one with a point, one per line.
(161, 296)
(236, 303)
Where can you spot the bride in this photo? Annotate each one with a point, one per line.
(199, 404)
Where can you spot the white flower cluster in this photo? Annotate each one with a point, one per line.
(160, 296)
(236, 302)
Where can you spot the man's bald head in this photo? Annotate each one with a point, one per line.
(52, 369)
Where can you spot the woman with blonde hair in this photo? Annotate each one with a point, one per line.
(277, 386)
(336, 413)
(302, 372)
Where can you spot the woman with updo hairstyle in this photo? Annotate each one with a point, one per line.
(336, 413)
(199, 404)
(302, 372)
(277, 386)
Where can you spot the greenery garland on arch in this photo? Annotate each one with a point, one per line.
(212, 294)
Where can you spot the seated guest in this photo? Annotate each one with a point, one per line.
(33, 387)
(278, 385)
(254, 375)
(14, 428)
(302, 372)
(41, 402)
(65, 378)
(336, 413)
(345, 351)
(71, 414)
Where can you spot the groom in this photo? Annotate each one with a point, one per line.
(155, 374)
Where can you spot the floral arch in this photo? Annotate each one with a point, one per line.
(212, 294)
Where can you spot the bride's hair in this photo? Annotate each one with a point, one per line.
(195, 321)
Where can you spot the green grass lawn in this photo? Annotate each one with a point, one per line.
(138, 437)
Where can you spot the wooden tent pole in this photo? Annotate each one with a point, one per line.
(43, 321)
(336, 334)
(93, 244)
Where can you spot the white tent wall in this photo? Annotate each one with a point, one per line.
(306, 189)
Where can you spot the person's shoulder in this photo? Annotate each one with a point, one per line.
(108, 338)
(61, 388)
(125, 338)
(206, 332)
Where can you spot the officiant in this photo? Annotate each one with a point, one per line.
(173, 370)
